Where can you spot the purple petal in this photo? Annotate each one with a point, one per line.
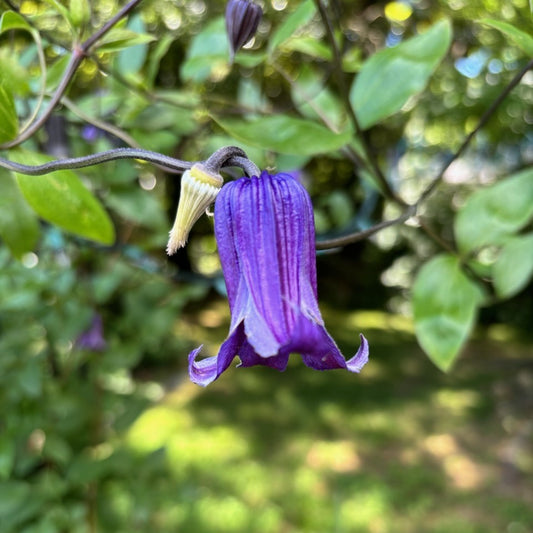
(207, 370)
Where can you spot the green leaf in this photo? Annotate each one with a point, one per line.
(445, 302)
(8, 115)
(13, 21)
(55, 73)
(18, 225)
(298, 18)
(495, 212)
(522, 39)
(80, 12)
(7, 457)
(514, 266)
(120, 38)
(309, 46)
(207, 53)
(285, 134)
(391, 76)
(62, 199)
(131, 59)
(13, 76)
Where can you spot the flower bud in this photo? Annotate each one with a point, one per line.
(199, 188)
(242, 19)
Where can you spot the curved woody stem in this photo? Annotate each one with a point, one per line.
(78, 54)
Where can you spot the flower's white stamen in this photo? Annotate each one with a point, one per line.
(199, 188)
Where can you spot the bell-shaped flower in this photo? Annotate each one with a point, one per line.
(242, 19)
(266, 240)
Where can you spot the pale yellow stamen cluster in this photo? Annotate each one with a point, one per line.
(199, 188)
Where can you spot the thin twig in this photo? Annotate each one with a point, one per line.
(482, 121)
(79, 52)
(410, 211)
(344, 93)
(361, 235)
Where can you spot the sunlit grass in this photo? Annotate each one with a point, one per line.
(399, 448)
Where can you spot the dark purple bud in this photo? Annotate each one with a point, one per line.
(92, 339)
(242, 19)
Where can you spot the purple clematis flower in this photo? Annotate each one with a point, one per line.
(266, 239)
(92, 339)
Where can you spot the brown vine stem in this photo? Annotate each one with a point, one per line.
(411, 210)
(343, 89)
(79, 52)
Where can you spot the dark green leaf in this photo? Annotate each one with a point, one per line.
(494, 212)
(18, 225)
(285, 134)
(518, 37)
(391, 76)
(445, 302)
(62, 199)
(300, 17)
(7, 456)
(8, 115)
(514, 266)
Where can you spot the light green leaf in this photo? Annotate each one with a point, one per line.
(80, 12)
(8, 115)
(131, 59)
(13, 76)
(297, 19)
(514, 266)
(13, 21)
(18, 225)
(62, 199)
(285, 134)
(310, 46)
(522, 39)
(391, 76)
(207, 53)
(445, 302)
(494, 212)
(120, 38)
(316, 101)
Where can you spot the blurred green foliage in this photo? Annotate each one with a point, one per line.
(90, 441)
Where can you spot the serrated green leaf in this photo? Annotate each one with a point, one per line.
(391, 76)
(522, 39)
(445, 303)
(514, 267)
(18, 225)
(62, 199)
(8, 115)
(298, 18)
(285, 134)
(495, 212)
